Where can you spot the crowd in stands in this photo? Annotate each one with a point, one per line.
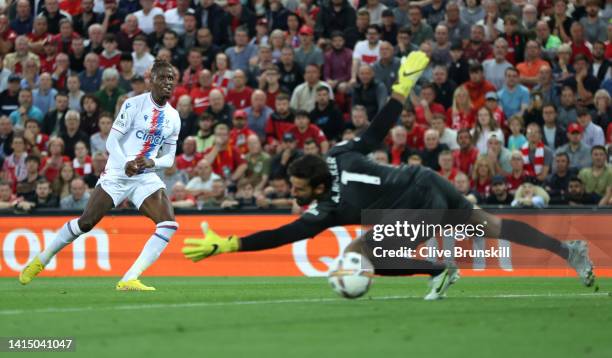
(514, 108)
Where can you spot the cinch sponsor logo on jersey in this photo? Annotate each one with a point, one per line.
(155, 139)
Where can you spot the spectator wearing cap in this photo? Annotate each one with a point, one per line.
(308, 53)
(226, 160)
(327, 116)
(338, 62)
(287, 152)
(477, 47)
(554, 134)
(23, 21)
(241, 53)
(499, 192)
(16, 61)
(592, 134)
(458, 69)
(9, 98)
(240, 132)
(26, 110)
(261, 33)
(598, 177)
(258, 113)
(477, 86)
(368, 91)
(388, 27)
(513, 97)
(492, 103)
(556, 183)
(495, 68)
(304, 95)
(420, 30)
(366, 51)
(303, 129)
(578, 153)
(241, 16)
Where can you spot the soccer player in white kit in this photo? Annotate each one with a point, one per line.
(143, 138)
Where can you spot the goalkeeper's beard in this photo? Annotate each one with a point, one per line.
(301, 201)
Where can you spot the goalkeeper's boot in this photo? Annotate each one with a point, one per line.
(410, 71)
(196, 249)
(30, 271)
(133, 285)
(439, 284)
(578, 258)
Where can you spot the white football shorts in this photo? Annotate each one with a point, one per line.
(136, 188)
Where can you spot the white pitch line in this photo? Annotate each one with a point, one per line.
(267, 302)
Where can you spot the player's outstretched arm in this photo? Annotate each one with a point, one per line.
(409, 73)
(196, 249)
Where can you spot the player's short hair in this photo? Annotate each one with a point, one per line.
(312, 168)
(160, 65)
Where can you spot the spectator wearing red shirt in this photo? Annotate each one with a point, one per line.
(425, 109)
(226, 160)
(414, 131)
(270, 83)
(465, 157)
(240, 95)
(200, 94)
(477, 86)
(111, 56)
(51, 164)
(579, 43)
(82, 163)
(191, 74)
(481, 176)
(188, 160)
(461, 114)
(63, 40)
(477, 48)
(7, 35)
(303, 129)
(47, 60)
(35, 140)
(518, 175)
(280, 121)
(447, 170)
(129, 31)
(39, 34)
(240, 132)
(398, 150)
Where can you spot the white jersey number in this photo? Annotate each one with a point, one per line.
(346, 177)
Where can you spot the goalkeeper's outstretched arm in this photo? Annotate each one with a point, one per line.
(409, 73)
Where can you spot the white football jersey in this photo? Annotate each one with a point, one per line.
(145, 127)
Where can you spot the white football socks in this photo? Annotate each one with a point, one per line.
(65, 236)
(152, 249)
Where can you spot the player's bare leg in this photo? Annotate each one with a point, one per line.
(158, 208)
(442, 275)
(98, 205)
(575, 252)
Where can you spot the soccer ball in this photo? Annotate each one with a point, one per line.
(351, 275)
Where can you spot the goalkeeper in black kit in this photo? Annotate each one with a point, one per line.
(346, 182)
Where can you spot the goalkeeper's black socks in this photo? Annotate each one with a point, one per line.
(525, 234)
(410, 267)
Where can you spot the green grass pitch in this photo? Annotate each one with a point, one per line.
(302, 317)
